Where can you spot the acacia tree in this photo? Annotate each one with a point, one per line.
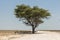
(32, 16)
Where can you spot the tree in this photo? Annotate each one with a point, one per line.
(32, 16)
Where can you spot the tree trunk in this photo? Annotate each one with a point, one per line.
(33, 30)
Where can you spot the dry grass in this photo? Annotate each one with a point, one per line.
(14, 32)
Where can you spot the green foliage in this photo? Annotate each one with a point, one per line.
(32, 16)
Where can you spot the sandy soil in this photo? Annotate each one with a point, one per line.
(40, 35)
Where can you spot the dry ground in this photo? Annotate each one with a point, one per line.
(26, 35)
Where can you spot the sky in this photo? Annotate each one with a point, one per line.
(8, 21)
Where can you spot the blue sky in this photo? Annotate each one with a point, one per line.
(8, 21)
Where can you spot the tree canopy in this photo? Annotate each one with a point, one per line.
(32, 16)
